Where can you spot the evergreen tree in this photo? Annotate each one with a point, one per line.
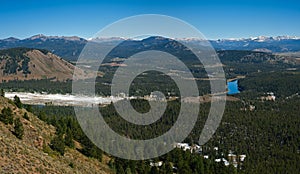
(154, 170)
(91, 150)
(18, 128)
(26, 116)
(232, 169)
(42, 116)
(29, 108)
(69, 139)
(2, 93)
(167, 168)
(18, 102)
(128, 171)
(120, 169)
(6, 116)
(57, 144)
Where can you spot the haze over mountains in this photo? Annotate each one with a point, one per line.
(69, 48)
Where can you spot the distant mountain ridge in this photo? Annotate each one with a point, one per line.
(277, 44)
(70, 48)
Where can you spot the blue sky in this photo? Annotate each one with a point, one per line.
(214, 18)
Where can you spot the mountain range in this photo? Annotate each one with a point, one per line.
(69, 48)
(66, 47)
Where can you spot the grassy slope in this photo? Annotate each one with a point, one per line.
(25, 156)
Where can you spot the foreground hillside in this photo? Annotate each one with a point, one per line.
(26, 64)
(32, 154)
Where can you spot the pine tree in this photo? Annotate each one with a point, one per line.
(154, 170)
(18, 128)
(18, 102)
(57, 144)
(120, 169)
(2, 93)
(26, 116)
(6, 116)
(128, 171)
(167, 168)
(69, 139)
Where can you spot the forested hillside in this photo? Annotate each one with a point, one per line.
(268, 135)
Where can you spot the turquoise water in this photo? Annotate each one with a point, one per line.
(233, 87)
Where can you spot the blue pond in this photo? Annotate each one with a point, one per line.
(233, 87)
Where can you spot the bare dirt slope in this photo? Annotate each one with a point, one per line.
(41, 66)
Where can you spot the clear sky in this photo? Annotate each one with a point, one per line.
(214, 18)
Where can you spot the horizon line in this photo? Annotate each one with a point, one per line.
(89, 38)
